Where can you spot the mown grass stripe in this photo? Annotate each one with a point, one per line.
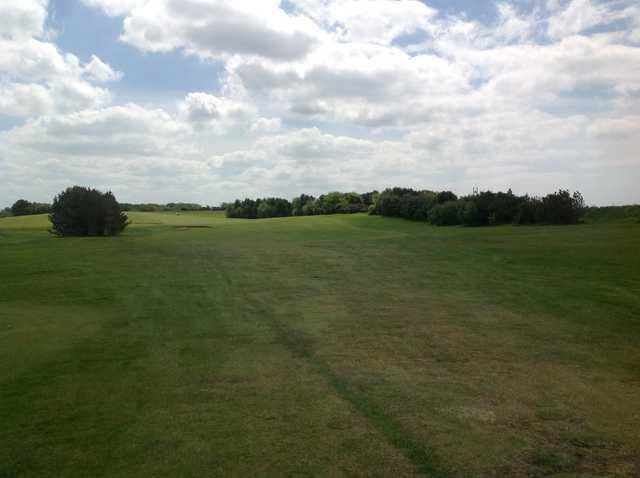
(422, 457)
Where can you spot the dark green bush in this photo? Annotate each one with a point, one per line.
(446, 214)
(445, 196)
(79, 211)
(529, 212)
(298, 204)
(562, 207)
(404, 202)
(470, 215)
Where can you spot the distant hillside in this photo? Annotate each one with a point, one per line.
(595, 215)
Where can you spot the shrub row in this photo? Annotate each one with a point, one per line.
(22, 207)
(440, 208)
(303, 205)
(169, 207)
(481, 209)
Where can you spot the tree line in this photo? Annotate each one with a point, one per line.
(480, 209)
(22, 207)
(79, 211)
(442, 208)
(303, 205)
(169, 207)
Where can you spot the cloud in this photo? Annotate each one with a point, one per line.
(36, 78)
(35, 60)
(376, 86)
(114, 7)
(539, 75)
(20, 20)
(374, 21)
(319, 95)
(311, 145)
(512, 27)
(25, 100)
(266, 125)
(121, 131)
(214, 28)
(41, 68)
(97, 70)
(217, 114)
(357, 83)
(625, 127)
(579, 15)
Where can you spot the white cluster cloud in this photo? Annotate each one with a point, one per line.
(35, 77)
(125, 131)
(320, 95)
(115, 7)
(360, 83)
(98, 70)
(218, 114)
(214, 28)
(18, 99)
(579, 15)
(22, 20)
(378, 22)
(266, 125)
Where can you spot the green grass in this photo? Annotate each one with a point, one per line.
(193, 345)
(629, 214)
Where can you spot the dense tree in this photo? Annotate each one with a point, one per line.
(79, 211)
(530, 211)
(40, 208)
(369, 198)
(273, 207)
(183, 206)
(404, 202)
(446, 196)
(489, 208)
(562, 207)
(440, 208)
(303, 205)
(311, 208)
(247, 209)
(470, 215)
(330, 203)
(21, 208)
(172, 206)
(446, 214)
(351, 203)
(298, 204)
(259, 209)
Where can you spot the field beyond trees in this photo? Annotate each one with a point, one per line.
(344, 345)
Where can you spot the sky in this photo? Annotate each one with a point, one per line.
(211, 100)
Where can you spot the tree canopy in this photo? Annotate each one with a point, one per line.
(442, 208)
(22, 207)
(79, 211)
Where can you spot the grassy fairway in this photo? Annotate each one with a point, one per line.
(194, 345)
